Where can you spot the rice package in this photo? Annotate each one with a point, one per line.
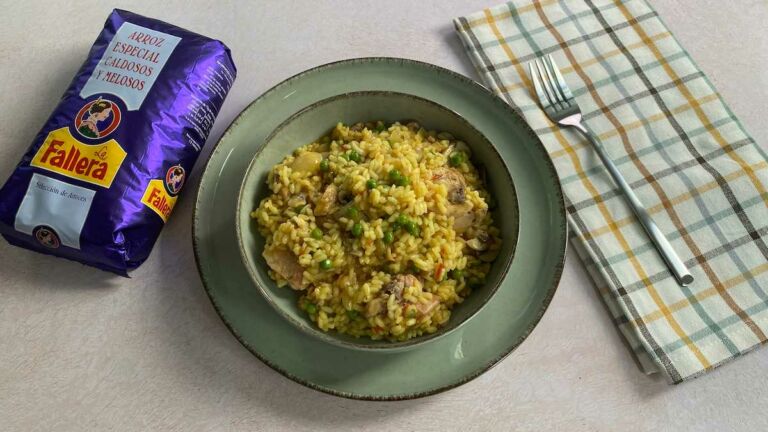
(102, 176)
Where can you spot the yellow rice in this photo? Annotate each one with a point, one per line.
(339, 298)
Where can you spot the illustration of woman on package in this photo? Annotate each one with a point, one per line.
(99, 111)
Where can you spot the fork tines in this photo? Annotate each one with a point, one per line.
(548, 82)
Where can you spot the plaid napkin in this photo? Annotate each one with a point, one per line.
(680, 147)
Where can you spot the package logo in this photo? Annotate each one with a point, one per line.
(97, 118)
(174, 179)
(64, 154)
(158, 199)
(46, 236)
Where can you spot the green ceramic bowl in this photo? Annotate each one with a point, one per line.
(316, 120)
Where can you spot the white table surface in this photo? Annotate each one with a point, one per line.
(82, 350)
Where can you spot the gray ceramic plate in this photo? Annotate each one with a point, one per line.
(458, 357)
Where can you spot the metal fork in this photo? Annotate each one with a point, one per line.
(558, 102)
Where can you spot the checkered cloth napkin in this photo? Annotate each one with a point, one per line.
(677, 143)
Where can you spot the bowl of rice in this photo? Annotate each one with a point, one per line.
(377, 220)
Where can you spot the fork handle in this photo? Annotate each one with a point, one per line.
(665, 249)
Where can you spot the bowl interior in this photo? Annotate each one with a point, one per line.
(316, 120)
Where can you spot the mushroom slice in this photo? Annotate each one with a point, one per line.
(481, 242)
(297, 200)
(327, 202)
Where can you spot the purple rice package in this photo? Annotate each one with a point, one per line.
(103, 174)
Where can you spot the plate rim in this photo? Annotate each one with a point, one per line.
(557, 269)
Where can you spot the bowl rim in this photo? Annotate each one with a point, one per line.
(386, 346)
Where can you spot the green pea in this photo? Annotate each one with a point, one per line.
(380, 127)
(354, 156)
(353, 314)
(402, 220)
(326, 264)
(403, 181)
(456, 274)
(316, 234)
(371, 184)
(357, 229)
(324, 165)
(389, 237)
(353, 213)
(412, 228)
(396, 226)
(394, 175)
(456, 159)
(311, 308)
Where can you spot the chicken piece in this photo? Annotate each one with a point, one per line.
(428, 307)
(454, 183)
(399, 283)
(463, 216)
(375, 307)
(463, 212)
(327, 202)
(285, 263)
(307, 162)
(458, 207)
